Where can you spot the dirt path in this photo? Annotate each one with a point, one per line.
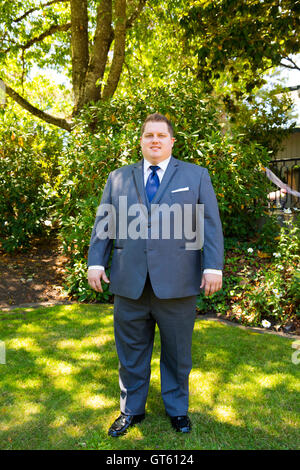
(33, 276)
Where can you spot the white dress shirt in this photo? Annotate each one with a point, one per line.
(160, 173)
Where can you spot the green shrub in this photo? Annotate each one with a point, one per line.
(261, 285)
(28, 170)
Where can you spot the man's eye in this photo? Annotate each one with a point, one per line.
(151, 135)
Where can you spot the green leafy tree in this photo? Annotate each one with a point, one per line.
(83, 39)
(228, 43)
(242, 37)
(267, 118)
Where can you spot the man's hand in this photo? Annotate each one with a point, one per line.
(211, 282)
(95, 276)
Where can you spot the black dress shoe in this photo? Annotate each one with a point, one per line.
(123, 422)
(181, 423)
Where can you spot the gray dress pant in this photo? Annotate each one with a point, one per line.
(134, 325)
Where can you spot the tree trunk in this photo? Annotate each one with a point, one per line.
(102, 41)
(119, 50)
(80, 49)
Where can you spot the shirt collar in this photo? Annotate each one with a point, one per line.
(162, 165)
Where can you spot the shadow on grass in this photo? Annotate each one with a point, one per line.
(244, 394)
(61, 374)
(59, 386)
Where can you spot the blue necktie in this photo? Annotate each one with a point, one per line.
(152, 183)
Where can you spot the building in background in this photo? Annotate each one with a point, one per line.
(286, 164)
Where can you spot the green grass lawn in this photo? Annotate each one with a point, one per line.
(59, 386)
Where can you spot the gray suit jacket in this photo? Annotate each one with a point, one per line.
(174, 271)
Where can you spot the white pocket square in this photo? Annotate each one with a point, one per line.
(180, 189)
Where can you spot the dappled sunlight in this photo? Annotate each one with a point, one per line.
(96, 401)
(70, 429)
(30, 328)
(226, 414)
(60, 377)
(59, 421)
(65, 382)
(53, 367)
(203, 386)
(134, 434)
(90, 356)
(155, 361)
(28, 344)
(98, 340)
(30, 384)
(246, 370)
(256, 386)
(60, 385)
(80, 344)
(245, 390)
(20, 414)
(32, 408)
(69, 344)
(272, 380)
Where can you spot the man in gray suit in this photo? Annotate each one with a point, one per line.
(156, 273)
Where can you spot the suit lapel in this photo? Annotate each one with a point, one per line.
(138, 175)
(169, 173)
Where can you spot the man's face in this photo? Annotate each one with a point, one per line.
(156, 142)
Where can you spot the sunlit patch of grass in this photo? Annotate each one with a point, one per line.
(59, 386)
(25, 343)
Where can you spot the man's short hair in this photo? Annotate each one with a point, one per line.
(157, 117)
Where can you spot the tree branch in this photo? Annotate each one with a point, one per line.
(135, 14)
(80, 47)
(294, 67)
(119, 50)
(102, 41)
(60, 122)
(17, 20)
(52, 30)
(289, 66)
